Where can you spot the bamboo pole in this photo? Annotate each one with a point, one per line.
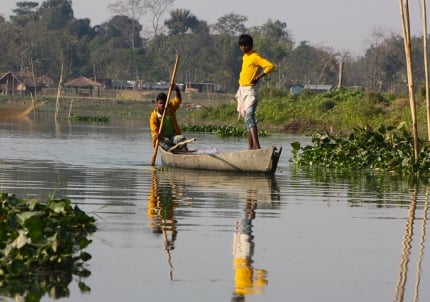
(339, 84)
(34, 82)
(172, 80)
(404, 12)
(60, 86)
(424, 17)
(70, 109)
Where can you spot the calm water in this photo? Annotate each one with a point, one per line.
(170, 235)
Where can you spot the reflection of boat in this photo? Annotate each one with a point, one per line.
(262, 187)
(16, 109)
(251, 161)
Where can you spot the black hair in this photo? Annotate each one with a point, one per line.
(246, 40)
(161, 96)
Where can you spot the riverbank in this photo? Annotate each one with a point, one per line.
(128, 106)
(334, 112)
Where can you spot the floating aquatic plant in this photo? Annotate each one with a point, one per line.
(41, 247)
(221, 131)
(88, 118)
(386, 148)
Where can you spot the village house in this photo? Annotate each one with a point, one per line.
(19, 83)
(83, 86)
(299, 88)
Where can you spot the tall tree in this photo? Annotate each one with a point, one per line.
(121, 32)
(274, 41)
(133, 9)
(231, 24)
(310, 65)
(24, 13)
(156, 8)
(56, 13)
(181, 21)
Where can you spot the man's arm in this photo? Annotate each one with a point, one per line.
(267, 67)
(178, 92)
(174, 104)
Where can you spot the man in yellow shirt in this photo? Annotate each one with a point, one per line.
(254, 67)
(171, 132)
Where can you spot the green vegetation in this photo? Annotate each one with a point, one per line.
(361, 130)
(41, 247)
(335, 119)
(333, 111)
(221, 131)
(44, 35)
(88, 118)
(386, 148)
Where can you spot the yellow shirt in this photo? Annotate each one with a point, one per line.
(155, 120)
(251, 62)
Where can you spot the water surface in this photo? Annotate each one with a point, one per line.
(174, 235)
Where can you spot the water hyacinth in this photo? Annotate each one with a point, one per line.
(88, 118)
(41, 246)
(221, 131)
(386, 148)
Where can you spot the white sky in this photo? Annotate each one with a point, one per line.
(344, 25)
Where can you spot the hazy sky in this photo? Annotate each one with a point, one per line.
(345, 25)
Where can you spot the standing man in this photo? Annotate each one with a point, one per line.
(254, 67)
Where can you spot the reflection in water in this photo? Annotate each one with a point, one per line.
(161, 205)
(421, 245)
(407, 247)
(167, 192)
(243, 252)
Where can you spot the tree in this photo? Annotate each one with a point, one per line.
(310, 65)
(133, 9)
(231, 24)
(157, 8)
(383, 63)
(24, 13)
(274, 41)
(55, 14)
(121, 32)
(181, 21)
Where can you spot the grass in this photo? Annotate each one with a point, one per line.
(308, 113)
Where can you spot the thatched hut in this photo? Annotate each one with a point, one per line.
(83, 86)
(12, 83)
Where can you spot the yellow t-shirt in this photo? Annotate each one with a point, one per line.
(251, 62)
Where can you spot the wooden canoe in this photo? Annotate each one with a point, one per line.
(250, 161)
(17, 109)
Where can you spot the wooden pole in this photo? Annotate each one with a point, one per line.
(60, 86)
(404, 12)
(172, 80)
(424, 17)
(339, 84)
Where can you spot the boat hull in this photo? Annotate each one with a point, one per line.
(251, 161)
(16, 109)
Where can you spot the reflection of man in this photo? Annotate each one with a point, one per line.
(243, 251)
(161, 206)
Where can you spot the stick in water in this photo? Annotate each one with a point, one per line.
(172, 80)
